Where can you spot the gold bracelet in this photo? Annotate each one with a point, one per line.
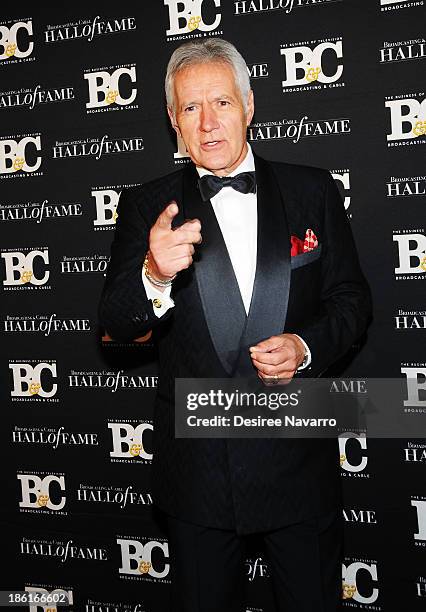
(155, 281)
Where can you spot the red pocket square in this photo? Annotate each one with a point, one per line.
(299, 246)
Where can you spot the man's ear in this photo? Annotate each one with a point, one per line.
(250, 107)
(173, 121)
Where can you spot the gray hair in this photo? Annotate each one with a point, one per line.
(205, 51)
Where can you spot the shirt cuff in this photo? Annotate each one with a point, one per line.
(161, 300)
(308, 357)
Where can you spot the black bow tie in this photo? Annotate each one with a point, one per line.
(210, 184)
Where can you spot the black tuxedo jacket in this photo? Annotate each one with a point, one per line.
(246, 484)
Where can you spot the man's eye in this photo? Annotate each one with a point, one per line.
(189, 108)
(223, 102)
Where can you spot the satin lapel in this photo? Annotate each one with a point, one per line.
(217, 285)
(268, 308)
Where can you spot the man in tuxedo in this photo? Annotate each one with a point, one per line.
(242, 267)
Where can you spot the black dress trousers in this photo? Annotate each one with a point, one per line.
(208, 571)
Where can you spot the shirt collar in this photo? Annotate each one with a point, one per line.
(247, 165)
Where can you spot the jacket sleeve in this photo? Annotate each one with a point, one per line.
(124, 309)
(345, 300)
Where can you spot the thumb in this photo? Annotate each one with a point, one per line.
(265, 346)
(166, 216)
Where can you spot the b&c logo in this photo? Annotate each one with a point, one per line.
(33, 380)
(128, 441)
(407, 118)
(104, 87)
(420, 506)
(351, 586)
(411, 254)
(416, 386)
(343, 177)
(13, 42)
(36, 491)
(14, 157)
(345, 460)
(52, 597)
(137, 558)
(106, 201)
(20, 267)
(187, 15)
(304, 65)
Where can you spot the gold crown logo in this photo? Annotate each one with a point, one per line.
(111, 96)
(10, 50)
(342, 459)
(348, 590)
(312, 74)
(423, 264)
(135, 450)
(144, 567)
(194, 22)
(18, 164)
(26, 276)
(420, 128)
(114, 215)
(34, 388)
(42, 500)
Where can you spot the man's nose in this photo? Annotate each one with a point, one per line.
(208, 119)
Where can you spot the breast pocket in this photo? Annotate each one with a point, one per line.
(303, 259)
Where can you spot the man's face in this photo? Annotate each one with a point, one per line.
(210, 116)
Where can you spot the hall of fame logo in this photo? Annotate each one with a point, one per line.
(88, 29)
(405, 186)
(16, 41)
(121, 497)
(29, 98)
(295, 130)
(312, 65)
(44, 324)
(403, 50)
(39, 211)
(407, 119)
(358, 516)
(96, 147)
(409, 320)
(84, 264)
(415, 453)
(92, 605)
(410, 254)
(61, 551)
(248, 7)
(55, 437)
(192, 19)
(111, 89)
(20, 156)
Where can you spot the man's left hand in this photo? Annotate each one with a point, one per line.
(277, 358)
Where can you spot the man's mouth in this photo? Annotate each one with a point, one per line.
(211, 144)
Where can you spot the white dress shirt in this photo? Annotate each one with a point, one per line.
(230, 207)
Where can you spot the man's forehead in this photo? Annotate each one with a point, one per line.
(209, 75)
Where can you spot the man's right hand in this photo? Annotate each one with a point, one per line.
(170, 249)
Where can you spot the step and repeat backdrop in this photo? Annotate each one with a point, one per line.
(82, 116)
